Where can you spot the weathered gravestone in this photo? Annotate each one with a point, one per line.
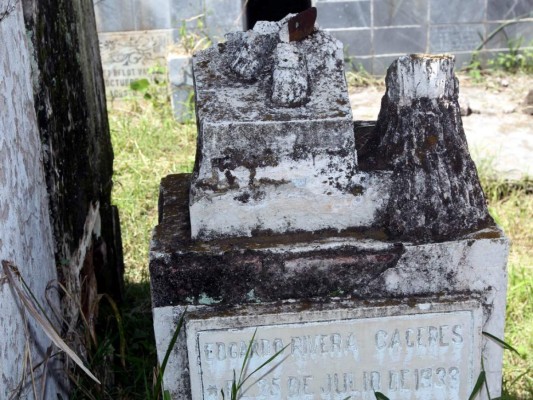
(130, 56)
(368, 254)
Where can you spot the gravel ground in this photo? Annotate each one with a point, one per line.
(499, 128)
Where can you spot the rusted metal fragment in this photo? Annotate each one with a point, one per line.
(302, 25)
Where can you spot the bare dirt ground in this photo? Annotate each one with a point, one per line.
(499, 130)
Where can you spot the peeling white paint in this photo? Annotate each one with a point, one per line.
(433, 80)
(72, 270)
(25, 232)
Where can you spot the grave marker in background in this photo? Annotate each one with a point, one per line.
(129, 56)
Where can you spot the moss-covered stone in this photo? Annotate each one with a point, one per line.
(72, 118)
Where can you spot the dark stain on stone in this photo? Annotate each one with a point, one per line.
(243, 198)
(203, 64)
(231, 179)
(342, 152)
(357, 190)
(258, 195)
(234, 158)
(273, 182)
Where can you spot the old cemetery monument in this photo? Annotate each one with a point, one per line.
(364, 251)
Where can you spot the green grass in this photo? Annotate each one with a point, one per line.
(149, 145)
(514, 213)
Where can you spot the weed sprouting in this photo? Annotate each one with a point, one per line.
(516, 59)
(475, 69)
(358, 76)
(238, 384)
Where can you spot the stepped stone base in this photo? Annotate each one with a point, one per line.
(292, 284)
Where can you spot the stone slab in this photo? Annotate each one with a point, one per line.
(128, 56)
(181, 99)
(339, 353)
(180, 70)
(266, 268)
(457, 11)
(394, 12)
(343, 14)
(277, 267)
(424, 348)
(450, 38)
(181, 85)
(400, 40)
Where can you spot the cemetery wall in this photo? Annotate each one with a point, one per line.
(374, 32)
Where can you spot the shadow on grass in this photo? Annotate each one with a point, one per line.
(124, 376)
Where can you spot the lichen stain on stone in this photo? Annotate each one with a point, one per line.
(273, 182)
(243, 198)
(231, 275)
(357, 190)
(234, 158)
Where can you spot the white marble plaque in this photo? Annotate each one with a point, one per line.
(426, 355)
(129, 56)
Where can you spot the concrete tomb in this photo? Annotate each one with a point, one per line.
(364, 250)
